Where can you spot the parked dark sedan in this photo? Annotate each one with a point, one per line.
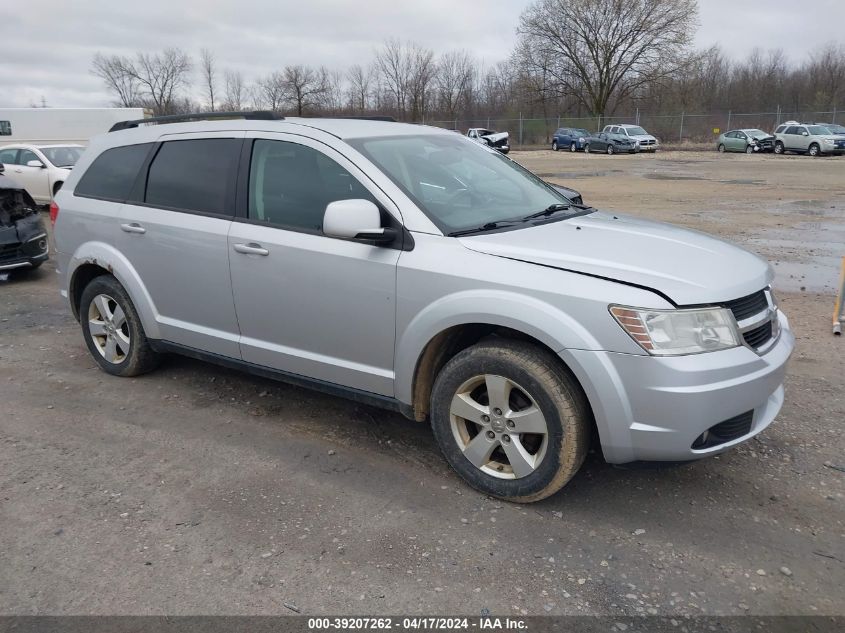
(608, 143)
(23, 239)
(571, 138)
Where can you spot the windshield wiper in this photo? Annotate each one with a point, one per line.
(479, 229)
(554, 208)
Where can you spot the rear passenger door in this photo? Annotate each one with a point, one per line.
(174, 232)
(309, 304)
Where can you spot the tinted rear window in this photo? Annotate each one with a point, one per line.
(195, 175)
(113, 172)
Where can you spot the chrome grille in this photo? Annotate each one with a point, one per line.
(756, 316)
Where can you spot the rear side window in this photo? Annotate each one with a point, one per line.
(792, 130)
(195, 175)
(9, 156)
(113, 173)
(290, 185)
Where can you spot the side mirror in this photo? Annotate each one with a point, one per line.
(35, 163)
(356, 220)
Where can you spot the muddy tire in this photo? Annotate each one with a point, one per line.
(510, 419)
(112, 329)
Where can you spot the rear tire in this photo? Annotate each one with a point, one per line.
(587, 148)
(112, 329)
(514, 384)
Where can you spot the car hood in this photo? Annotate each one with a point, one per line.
(686, 266)
(643, 137)
(764, 137)
(497, 136)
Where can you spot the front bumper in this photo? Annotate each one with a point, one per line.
(28, 254)
(649, 408)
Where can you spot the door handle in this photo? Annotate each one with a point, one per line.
(133, 227)
(251, 249)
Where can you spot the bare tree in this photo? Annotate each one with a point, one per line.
(234, 90)
(331, 96)
(423, 69)
(303, 85)
(208, 66)
(607, 49)
(394, 67)
(273, 91)
(455, 73)
(113, 71)
(161, 77)
(360, 81)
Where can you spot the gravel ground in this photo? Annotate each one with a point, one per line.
(198, 490)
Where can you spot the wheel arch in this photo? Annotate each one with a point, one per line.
(94, 259)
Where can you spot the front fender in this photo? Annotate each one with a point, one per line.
(546, 323)
(107, 257)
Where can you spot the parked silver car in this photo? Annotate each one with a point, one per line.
(814, 140)
(411, 268)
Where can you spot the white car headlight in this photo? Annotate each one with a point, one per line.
(828, 141)
(678, 332)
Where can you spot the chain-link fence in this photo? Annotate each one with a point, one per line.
(669, 128)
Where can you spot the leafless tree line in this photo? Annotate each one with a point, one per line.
(573, 58)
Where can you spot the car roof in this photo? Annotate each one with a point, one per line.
(339, 128)
(30, 145)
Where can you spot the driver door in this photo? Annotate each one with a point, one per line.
(308, 304)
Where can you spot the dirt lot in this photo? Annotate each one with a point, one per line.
(199, 490)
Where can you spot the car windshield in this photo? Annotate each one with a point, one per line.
(818, 129)
(581, 132)
(836, 129)
(62, 156)
(755, 133)
(636, 131)
(459, 184)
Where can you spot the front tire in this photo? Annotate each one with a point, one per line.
(814, 150)
(779, 149)
(573, 147)
(749, 149)
(587, 148)
(554, 146)
(510, 420)
(610, 150)
(112, 329)
(721, 149)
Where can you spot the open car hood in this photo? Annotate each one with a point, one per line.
(686, 266)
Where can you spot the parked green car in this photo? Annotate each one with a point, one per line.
(749, 141)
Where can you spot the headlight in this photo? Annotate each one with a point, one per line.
(828, 141)
(580, 140)
(677, 332)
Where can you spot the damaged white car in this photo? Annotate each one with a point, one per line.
(497, 140)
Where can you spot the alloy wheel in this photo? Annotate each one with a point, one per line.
(498, 426)
(109, 328)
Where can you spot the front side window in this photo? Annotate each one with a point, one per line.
(113, 173)
(290, 185)
(460, 185)
(195, 175)
(27, 155)
(62, 156)
(5, 128)
(817, 130)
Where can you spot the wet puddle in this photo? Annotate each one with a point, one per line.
(806, 257)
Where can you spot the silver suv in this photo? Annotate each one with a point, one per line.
(414, 269)
(814, 140)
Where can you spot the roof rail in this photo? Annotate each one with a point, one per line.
(256, 115)
(375, 117)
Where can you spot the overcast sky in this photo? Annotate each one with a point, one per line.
(48, 44)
